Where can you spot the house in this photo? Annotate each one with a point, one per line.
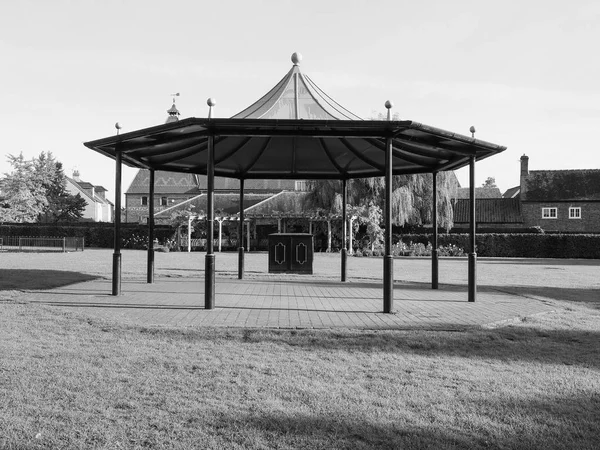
(566, 201)
(178, 191)
(98, 208)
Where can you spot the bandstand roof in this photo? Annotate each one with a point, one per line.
(295, 131)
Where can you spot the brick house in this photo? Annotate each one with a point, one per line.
(560, 200)
(174, 191)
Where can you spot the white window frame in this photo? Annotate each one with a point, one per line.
(547, 213)
(575, 212)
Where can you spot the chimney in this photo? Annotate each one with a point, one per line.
(76, 175)
(524, 174)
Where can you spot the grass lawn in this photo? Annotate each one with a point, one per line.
(67, 381)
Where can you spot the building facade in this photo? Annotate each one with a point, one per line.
(98, 208)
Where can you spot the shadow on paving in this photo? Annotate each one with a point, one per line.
(39, 279)
(542, 262)
(550, 422)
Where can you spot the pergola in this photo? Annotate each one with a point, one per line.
(295, 131)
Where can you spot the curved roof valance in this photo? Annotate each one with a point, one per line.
(295, 131)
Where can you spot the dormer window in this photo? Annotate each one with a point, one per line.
(574, 212)
(549, 213)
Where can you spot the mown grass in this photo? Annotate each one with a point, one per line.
(70, 382)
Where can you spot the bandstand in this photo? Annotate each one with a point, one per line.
(295, 131)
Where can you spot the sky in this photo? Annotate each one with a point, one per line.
(525, 73)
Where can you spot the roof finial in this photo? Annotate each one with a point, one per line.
(210, 102)
(118, 127)
(389, 105)
(472, 130)
(296, 58)
(173, 111)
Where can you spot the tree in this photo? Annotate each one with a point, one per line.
(62, 206)
(490, 182)
(412, 196)
(35, 191)
(24, 196)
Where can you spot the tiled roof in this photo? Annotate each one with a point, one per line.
(183, 183)
(164, 183)
(232, 184)
(480, 192)
(489, 210)
(562, 185)
(512, 192)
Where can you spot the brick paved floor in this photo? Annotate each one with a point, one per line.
(290, 302)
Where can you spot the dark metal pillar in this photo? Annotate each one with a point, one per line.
(473, 248)
(150, 274)
(116, 269)
(209, 265)
(344, 220)
(434, 243)
(388, 259)
(241, 234)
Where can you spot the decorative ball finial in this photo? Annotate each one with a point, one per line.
(211, 102)
(296, 58)
(389, 104)
(118, 126)
(472, 130)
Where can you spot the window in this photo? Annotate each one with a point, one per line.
(574, 213)
(163, 201)
(549, 213)
(144, 201)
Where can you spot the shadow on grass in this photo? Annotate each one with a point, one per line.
(530, 344)
(549, 422)
(11, 279)
(590, 297)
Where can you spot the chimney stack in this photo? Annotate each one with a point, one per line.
(524, 174)
(76, 175)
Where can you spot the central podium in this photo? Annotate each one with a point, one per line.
(291, 253)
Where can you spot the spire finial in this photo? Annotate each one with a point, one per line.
(472, 130)
(389, 105)
(210, 102)
(296, 58)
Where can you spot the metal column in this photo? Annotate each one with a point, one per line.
(116, 269)
(241, 234)
(434, 244)
(209, 265)
(388, 259)
(472, 228)
(344, 218)
(150, 271)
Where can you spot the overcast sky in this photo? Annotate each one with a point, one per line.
(525, 73)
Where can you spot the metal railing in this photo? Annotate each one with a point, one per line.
(41, 244)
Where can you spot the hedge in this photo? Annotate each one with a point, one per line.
(518, 245)
(96, 234)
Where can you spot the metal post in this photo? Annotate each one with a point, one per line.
(388, 259)
(344, 214)
(241, 234)
(434, 244)
(64, 244)
(150, 270)
(220, 220)
(116, 272)
(248, 236)
(189, 233)
(209, 281)
(473, 248)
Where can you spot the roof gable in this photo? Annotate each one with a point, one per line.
(562, 185)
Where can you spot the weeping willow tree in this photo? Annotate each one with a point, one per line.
(412, 196)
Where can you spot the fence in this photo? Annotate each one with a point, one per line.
(41, 244)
